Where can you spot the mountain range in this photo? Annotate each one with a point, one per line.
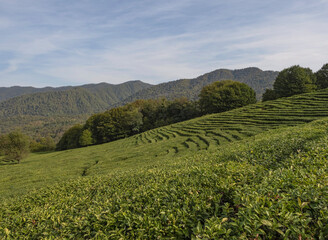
(37, 110)
(254, 77)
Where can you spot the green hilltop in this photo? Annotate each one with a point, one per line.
(255, 172)
(254, 77)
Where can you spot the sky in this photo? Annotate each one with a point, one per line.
(74, 42)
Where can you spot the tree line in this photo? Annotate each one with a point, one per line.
(143, 115)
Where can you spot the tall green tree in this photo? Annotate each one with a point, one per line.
(225, 95)
(322, 77)
(294, 80)
(15, 146)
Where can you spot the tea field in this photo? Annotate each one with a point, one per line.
(258, 172)
(160, 145)
(271, 187)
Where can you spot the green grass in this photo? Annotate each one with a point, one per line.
(234, 175)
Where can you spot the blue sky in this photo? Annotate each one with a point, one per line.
(72, 42)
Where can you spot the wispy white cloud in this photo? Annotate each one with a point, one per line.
(57, 43)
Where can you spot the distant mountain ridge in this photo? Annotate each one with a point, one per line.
(254, 77)
(51, 111)
(16, 91)
(116, 91)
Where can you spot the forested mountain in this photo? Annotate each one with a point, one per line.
(86, 99)
(254, 77)
(109, 92)
(70, 102)
(10, 92)
(51, 113)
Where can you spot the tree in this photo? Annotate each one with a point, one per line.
(322, 77)
(294, 80)
(15, 146)
(86, 138)
(225, 95)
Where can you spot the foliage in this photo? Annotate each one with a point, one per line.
(43, 144)
(322, 77)
(113, 124)
(131, 119)
(225, 95)
(15, 146)
(294, 80)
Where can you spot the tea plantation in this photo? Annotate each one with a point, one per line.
(250, 173)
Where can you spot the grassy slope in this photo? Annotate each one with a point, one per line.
(271, 187)
(159, 145)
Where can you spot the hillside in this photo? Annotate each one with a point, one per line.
(256, 78)
(60, 109)
(254, 172)
(70, 102)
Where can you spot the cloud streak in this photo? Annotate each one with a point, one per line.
(60, 43)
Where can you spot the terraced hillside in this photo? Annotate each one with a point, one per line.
(212, 130)
(162, 144)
